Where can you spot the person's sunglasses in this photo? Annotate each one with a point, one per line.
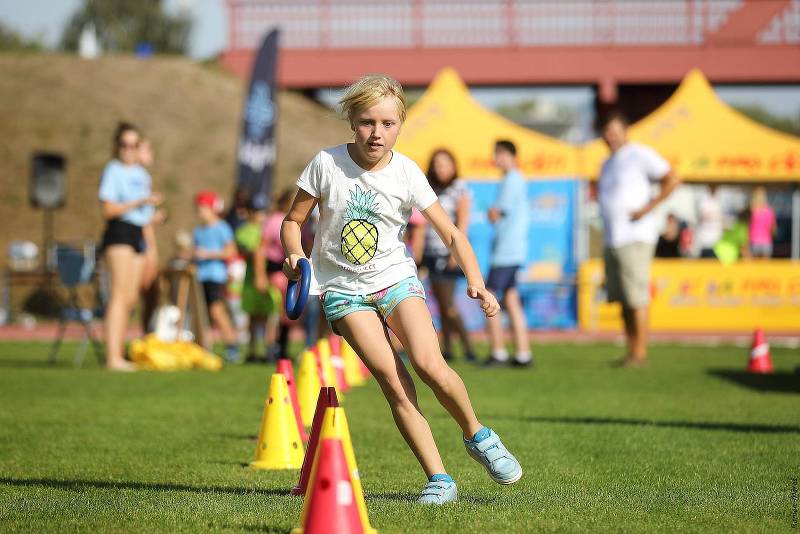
(129, 145)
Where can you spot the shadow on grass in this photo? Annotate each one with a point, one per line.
(224, 462)
(30, 363)
(691, 425)
(77, 485)
(411, 498)
(257, 528)
(784, 382)
(251, 437)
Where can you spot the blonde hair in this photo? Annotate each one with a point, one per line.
(368, 91)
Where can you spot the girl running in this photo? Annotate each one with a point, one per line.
(368, 282)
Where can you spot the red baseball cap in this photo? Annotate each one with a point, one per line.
(210, 200)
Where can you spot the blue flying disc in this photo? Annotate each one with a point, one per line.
(297, 291)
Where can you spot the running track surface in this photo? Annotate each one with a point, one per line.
(48, 331)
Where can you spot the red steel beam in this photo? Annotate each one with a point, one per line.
(305, 69)
(744, 24)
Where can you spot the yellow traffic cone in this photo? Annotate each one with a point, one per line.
(334, 427)
(279, 445)
(326, 364)
(307, 387)
(352, 372)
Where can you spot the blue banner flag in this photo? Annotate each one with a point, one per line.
(257, 150)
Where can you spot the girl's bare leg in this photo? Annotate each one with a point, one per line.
(366, 334)
(221, 319)
(411, 322)
(125, 272)
(257, 328)
(517, 316)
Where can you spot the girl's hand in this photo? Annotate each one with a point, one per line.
(201, 254)
(290, 268)
(155, 199)
(489, 303)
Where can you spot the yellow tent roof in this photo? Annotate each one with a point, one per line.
(706, 140)
(446, 116)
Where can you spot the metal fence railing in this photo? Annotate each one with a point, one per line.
(315, 24)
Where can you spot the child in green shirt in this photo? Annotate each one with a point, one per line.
(258, 306)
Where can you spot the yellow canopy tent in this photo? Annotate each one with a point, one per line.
(446, 116)
(707, 141)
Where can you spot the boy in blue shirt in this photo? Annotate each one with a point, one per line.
(510, 218)
(213, 244)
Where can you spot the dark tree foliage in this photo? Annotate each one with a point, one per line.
(782, 124)
(122, 24)
(12, 41)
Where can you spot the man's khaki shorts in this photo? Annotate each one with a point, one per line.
(628, 274)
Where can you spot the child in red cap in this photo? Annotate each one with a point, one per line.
(213, 244)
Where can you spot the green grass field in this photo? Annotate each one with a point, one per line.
(690, 443)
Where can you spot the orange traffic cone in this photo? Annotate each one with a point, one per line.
(338, 362)
(284, 367)
(331, 503)
(327, 514)
(327, 399)
(279, 445)
(760, 359)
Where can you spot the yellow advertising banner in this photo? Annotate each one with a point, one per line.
(702, 295)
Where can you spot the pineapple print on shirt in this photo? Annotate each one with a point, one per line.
(359, 234)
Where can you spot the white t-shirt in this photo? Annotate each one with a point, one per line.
(624, 187)
(709, 221)
(449, 199)
(359, 245)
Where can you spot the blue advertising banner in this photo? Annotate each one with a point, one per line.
(256, 153)
(546, 281)
(551, 230)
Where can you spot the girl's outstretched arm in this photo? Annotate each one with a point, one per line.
(302, 206)
(459, 247)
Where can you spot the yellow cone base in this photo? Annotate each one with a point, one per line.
(272, 466)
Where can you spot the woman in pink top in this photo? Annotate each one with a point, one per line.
(268, 266)
(762, 224)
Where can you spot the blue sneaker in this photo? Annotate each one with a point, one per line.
(232, 354)
(439, 490)
(486, 448)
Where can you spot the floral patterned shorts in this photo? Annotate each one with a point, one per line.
(337, 305)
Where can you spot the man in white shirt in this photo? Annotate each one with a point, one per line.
(710, 219)
(629, 226)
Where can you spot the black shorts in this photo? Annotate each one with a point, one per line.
(274, 267)
(123, 233)
(213, 291)
(501, 279)
(438, 269)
